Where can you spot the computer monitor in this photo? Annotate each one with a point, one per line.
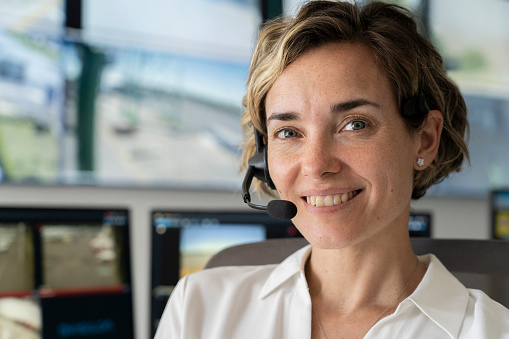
(65, 273)
(499, 204)
(420, 224)
(182, 242)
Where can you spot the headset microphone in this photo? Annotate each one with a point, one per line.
(257, 167)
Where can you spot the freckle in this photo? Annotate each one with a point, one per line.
(392, 190)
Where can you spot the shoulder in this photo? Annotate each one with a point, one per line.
(233, 279)
(485, 307)
(471, 313)
(485, 317)
(219, 287)
(228, 278)
(223, 298)
(203, 300)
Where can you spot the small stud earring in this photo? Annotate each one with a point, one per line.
(420, 162)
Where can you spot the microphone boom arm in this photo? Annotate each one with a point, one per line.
(246, 184)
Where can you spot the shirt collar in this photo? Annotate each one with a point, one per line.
(291, 266)
(440, 296)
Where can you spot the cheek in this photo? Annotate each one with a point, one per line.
(397, 165)
(387, 163)
(280, 169)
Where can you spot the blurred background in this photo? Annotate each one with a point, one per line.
(120, 142)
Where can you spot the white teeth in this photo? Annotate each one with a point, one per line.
(330, 200)
(337, 199)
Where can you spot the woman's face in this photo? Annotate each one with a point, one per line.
(338, 148)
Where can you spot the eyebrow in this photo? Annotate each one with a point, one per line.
(336, 108)
(352, 104)
(289, 116)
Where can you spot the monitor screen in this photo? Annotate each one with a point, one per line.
(183, 242)
(226, 28)
(420, 225)
(65, 273)
(198, 242)
(499, 204)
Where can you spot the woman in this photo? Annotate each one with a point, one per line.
(358, 117)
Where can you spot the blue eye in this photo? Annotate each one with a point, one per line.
(355, 125)
(287, 134)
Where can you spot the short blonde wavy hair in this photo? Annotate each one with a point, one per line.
(410, 61)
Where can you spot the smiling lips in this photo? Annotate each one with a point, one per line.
(330, 200)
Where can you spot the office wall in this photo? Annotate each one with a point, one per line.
(452, 219)
(457, 218)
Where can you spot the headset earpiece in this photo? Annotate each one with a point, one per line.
(259, 160)
(416, 105)
(258, 167)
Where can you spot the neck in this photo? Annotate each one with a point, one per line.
(360, 276)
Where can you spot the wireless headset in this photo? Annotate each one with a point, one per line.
(258, 162)
(258, 166)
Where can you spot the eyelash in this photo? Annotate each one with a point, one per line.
(350, 121)
(355, 119)
(284, 129)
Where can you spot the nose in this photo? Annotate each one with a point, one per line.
(320, 157)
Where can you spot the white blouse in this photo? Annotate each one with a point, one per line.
(273, 302)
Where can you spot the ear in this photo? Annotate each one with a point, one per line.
(429, 138)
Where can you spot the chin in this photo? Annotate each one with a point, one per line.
(332, 239)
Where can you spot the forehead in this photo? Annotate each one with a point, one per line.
(337, 71)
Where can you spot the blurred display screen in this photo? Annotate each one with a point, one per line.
(499, 203)
(82, 256)
(20, 318)
(161, 119)
(200, 242)
(31, 107)
(130, 100)
(420, 225)
(65, 273)
(31, 90)
(152, 96)
(32, 15)
(226, 28)
(16, 259)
